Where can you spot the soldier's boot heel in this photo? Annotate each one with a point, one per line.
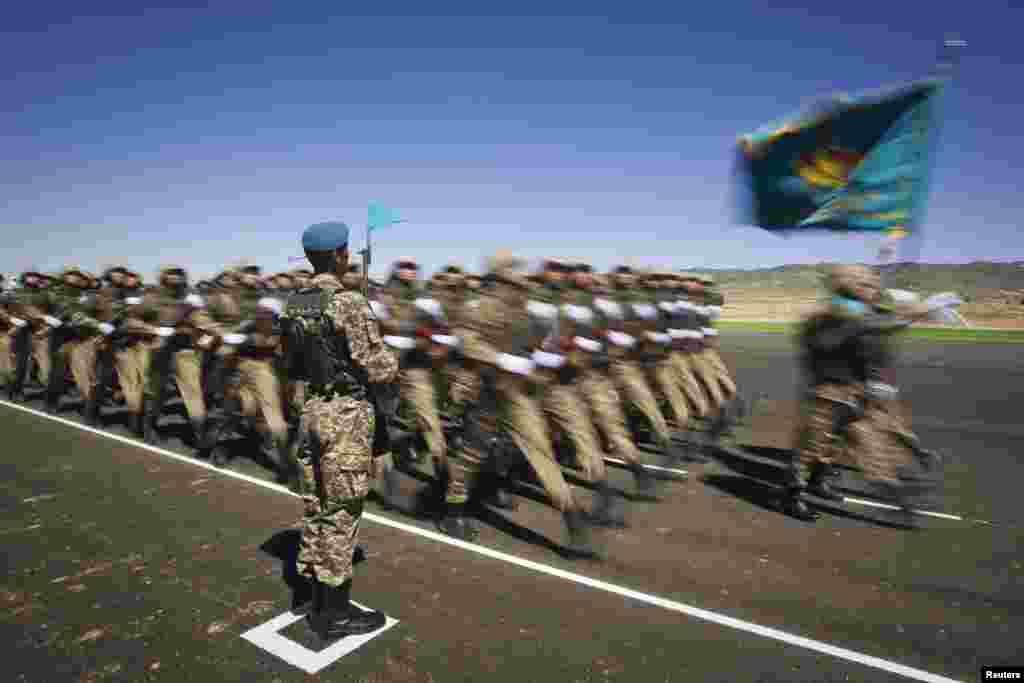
(607, 510)
(646, 488)
(578, 541)
(820, 486)
(92, 411)
(457, 524)
(340, 618)
(795, 506)
(137, 424)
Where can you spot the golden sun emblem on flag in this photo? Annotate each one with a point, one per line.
(827, 168)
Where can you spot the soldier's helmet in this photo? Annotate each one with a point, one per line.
(171, 271)
(847, 279)
(504, 267)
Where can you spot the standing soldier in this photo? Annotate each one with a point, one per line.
(343, 359)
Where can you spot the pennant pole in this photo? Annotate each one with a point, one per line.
(366, 262)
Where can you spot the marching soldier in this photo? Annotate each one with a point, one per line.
(411, 319)
(36, 303)
(596, 388)
(627, 371)
(497, 338)
(131, 342)
(687, 339)
(657, 345)
(185, 329)
(843, 348)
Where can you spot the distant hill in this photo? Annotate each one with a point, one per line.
(975, 281)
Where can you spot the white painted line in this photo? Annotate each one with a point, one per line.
(268, 637)
(647, 598)
(927, 513)
(656, 468)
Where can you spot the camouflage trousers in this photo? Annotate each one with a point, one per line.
(689, 384)
(80, 355)
(259, 392)
(599, 394)
(7, 360)
(188, 376)
(336, 459)
(710, 370)
(662, 377)
(523, 421)
(465, 461)
(132, 365)
(41, 355)
(875, 443)
(629, 379)
(563, 406)
(417, 392)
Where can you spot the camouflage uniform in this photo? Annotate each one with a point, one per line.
(336, 461)
(844, 348)
(408, 315)
(684, 330)
(627, 371)
(496, 333)
(186, 315)
(38, 304)
(131, 344)
(658, 346)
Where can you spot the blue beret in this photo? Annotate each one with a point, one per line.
(325, 236)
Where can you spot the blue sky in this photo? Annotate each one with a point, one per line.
(204, 136)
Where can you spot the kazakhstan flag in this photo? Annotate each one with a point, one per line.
(855, 164)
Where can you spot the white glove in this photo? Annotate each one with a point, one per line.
(107, 329)
(52, 322)
(234, 338)
(548, 360)
(515, 364)
(401, 343)
(165, 331)
(944, 300)
(588, 345)
(18, 322)
(714, 312)
(621, 339)
(445, 340)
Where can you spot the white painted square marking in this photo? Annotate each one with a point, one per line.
(267, 637)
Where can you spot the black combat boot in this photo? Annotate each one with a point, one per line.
(92, 409)
(137, 424)
(337, 617)
(289, 470)
(457, 524)
(646, 488)
(607, 511)
(149, 430)
(795, 506)
(819, 484)
(578, 542)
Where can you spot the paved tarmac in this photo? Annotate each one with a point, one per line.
(128, 563)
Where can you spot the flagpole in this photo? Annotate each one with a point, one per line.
(366, 263)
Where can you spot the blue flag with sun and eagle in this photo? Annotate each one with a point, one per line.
(854, 164)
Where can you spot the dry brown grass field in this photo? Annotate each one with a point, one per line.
(992, 309)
